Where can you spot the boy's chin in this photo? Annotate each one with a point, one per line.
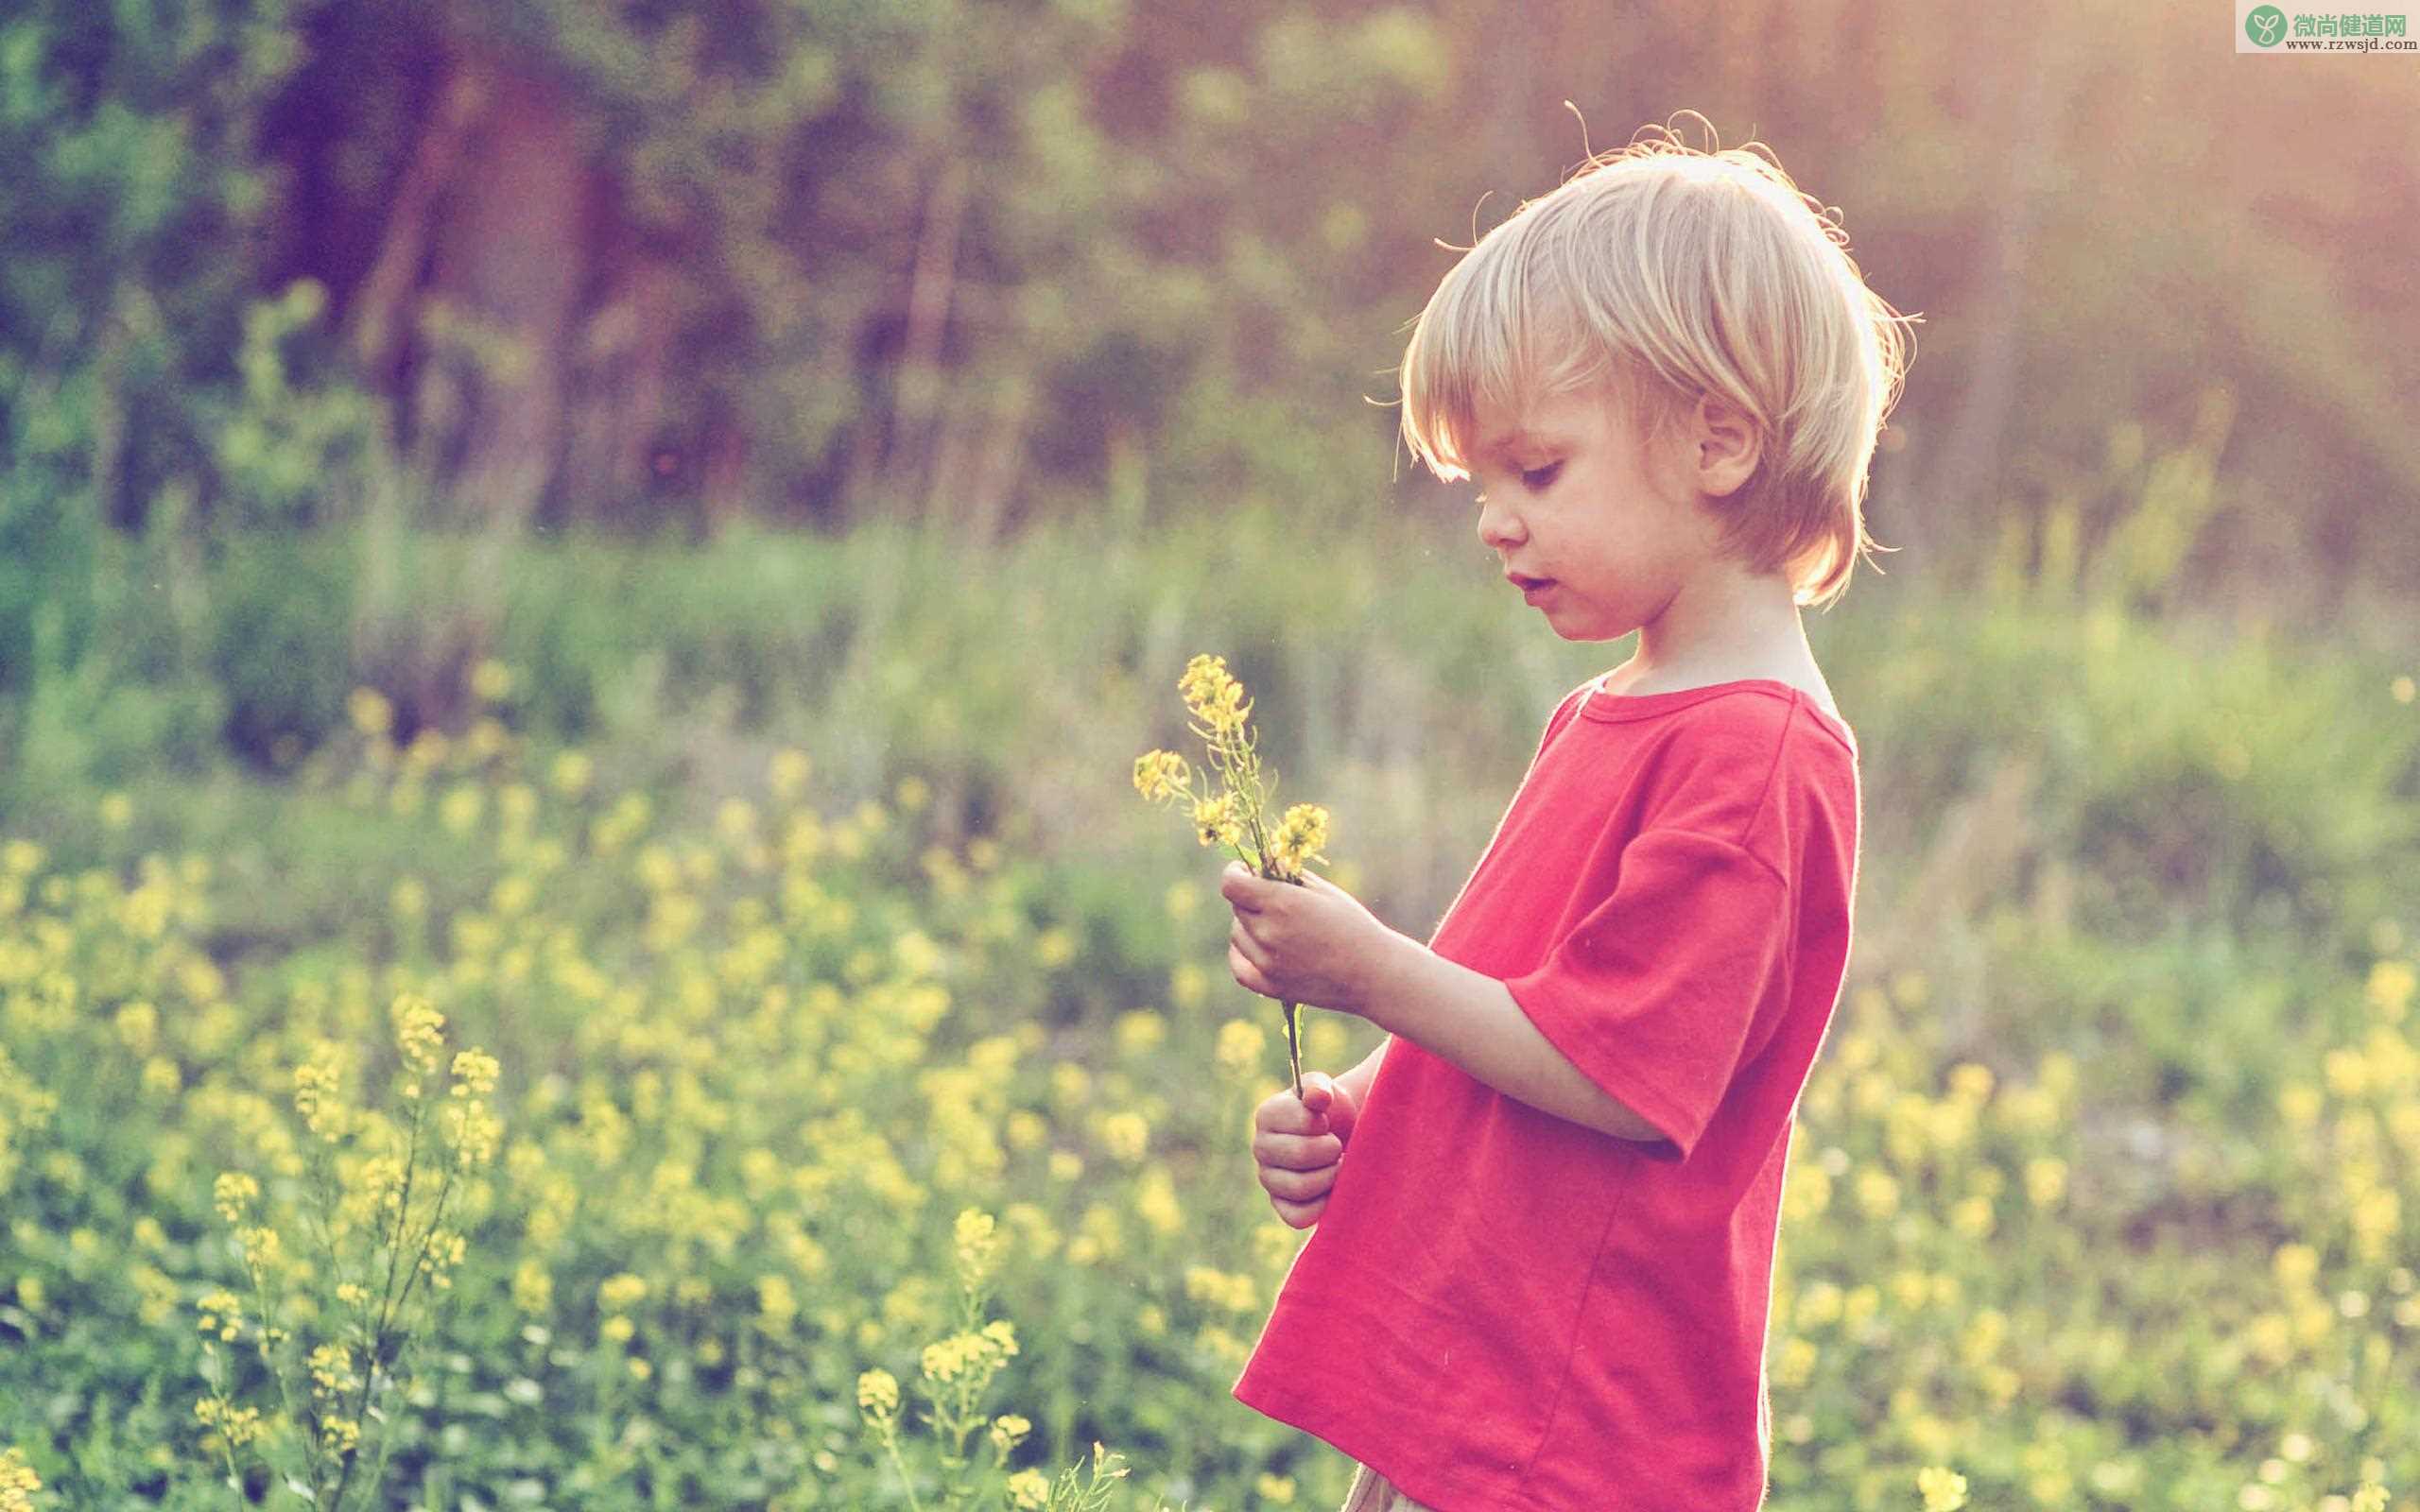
(1577, 629)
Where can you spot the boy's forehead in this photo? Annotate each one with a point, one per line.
(1537, 421)
(1499, 435)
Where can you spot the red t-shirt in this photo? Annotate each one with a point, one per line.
(1504, 1310)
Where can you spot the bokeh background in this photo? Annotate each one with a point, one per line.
(663, 527)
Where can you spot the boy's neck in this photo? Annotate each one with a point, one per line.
(1723, 627)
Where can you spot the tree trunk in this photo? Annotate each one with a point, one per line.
(1965, 470)
(509, 259)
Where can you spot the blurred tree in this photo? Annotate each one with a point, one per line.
(134, 189)
(637, 262)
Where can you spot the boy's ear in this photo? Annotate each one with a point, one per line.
(1728, 445)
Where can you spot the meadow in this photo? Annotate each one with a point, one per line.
(805, 1030)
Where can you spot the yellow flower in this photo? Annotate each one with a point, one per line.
(1299, 838)
(1214, 696)
(877, 1394)
(2295, 1264)
(1155, 1201)
(1945, 1490)
(222, 1313)
(1125, 1135)
(979, 1243)
(2391, 986)
(409, 897)
(1204, 677)
(474, 1073)
(18, 1482)
(1139, 1031)
(1216, 820)
(419, 1032)
(460, 810)
(1007, 1431)
(2046, 1180)
(777, 1304)
(947, 1359)
(492, 680)
(331, 1367)
(1877, 1192)
(1241, 1043)
(1236, 1291)
(533, 1290)
(233, 1191)
(571, 773)
(1228, 713)
(1795, 1363)
(371, 712)
(240, 1425)
(315, 1094)
(620, 1291)
(475, 1132)
(1159, 775)
(1028, 1491)
(1971, 1217)
(2300, 1104)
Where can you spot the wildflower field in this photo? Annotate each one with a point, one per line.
(807, 1078)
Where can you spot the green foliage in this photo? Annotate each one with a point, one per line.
(281, 640)
(129, 136)
(135, 191)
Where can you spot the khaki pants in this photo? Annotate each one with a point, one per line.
(1374, 1492)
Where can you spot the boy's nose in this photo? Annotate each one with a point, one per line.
(1498, 529)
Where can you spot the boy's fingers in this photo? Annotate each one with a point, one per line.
(1298, 1152)
(1248, 973)
(1283, 1114)
(1342, 1115)
(1298, 1214)
(1297, 1186)
(1235, 884)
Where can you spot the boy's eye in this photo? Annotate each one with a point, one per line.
(1533, 478)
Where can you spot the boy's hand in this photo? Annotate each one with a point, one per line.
(1314, 944)
(1299, 1144)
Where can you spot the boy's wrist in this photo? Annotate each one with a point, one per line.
(1394, 971)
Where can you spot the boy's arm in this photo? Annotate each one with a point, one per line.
(1471, 1020)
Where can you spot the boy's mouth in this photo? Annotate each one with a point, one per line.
(1525, 584)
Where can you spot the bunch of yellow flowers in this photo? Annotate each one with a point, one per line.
(1235, 813)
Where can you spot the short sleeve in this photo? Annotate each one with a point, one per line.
(1655, 992)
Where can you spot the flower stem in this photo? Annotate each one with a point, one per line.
(1293, 1047)
(1293, 1011)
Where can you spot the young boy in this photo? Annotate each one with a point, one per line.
(1541, 1281)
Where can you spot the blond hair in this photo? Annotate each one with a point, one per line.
(1663, 272)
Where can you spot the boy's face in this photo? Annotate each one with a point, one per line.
(1572, 492)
